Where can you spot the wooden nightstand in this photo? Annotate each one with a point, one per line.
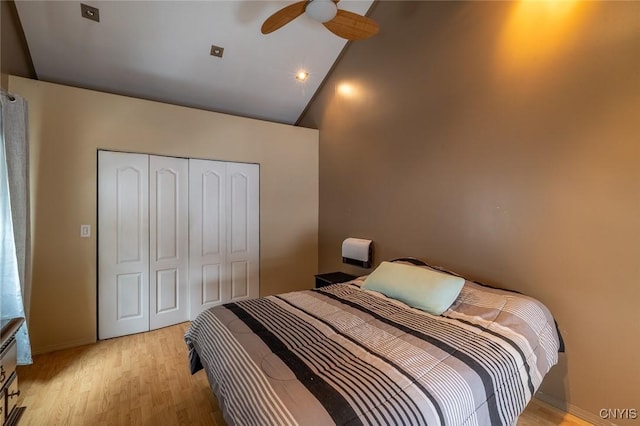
(9, 411)
(333, 278)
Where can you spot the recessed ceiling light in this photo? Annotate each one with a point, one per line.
(90, 12)
(302, 75)
(216, 51)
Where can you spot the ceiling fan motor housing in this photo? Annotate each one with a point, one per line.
(321, 10)
(342, 23)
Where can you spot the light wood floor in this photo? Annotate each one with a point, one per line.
(144, 379)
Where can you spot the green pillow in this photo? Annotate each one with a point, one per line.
(418, 287)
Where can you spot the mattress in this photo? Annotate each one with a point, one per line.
(345, 355)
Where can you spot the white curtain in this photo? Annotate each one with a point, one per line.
(14, 218)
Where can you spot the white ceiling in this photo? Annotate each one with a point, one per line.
(159, 50)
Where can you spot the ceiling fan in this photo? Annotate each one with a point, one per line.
(342, 23)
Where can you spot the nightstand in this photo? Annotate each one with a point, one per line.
(333, 278)
(9, 411)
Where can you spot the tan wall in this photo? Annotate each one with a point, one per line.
(501, 140)
(14, 53)
(68, 125)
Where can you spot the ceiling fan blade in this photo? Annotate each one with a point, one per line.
(283, 16)
(352, 26)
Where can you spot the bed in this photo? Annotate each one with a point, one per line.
(346, 354)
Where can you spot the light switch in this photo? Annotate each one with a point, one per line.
(85, 231)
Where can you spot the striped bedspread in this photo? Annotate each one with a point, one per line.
(343, 355)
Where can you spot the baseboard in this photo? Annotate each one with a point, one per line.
(573, 410)
(61, 346)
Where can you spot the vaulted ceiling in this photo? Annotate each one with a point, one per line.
(160, 50)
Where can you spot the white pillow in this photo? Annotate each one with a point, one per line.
(420, 288)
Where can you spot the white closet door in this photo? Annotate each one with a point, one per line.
(224, 214)
(169, 243)
(243, 251)
(123, 223)
(207, 219)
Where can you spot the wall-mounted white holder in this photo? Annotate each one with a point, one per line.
(357, 251)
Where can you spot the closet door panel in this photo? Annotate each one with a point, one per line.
(238, 206)
(211, 284)
(207, 222)
(168, 292)
(130, 303)
(239, 280)
(169, 230)
(211, 215)
(123, 244)
(243, 210)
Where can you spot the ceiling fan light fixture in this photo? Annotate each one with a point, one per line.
(345, 24)
(321, 10)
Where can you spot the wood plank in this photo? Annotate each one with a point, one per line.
(144, 379)
(539, 413)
